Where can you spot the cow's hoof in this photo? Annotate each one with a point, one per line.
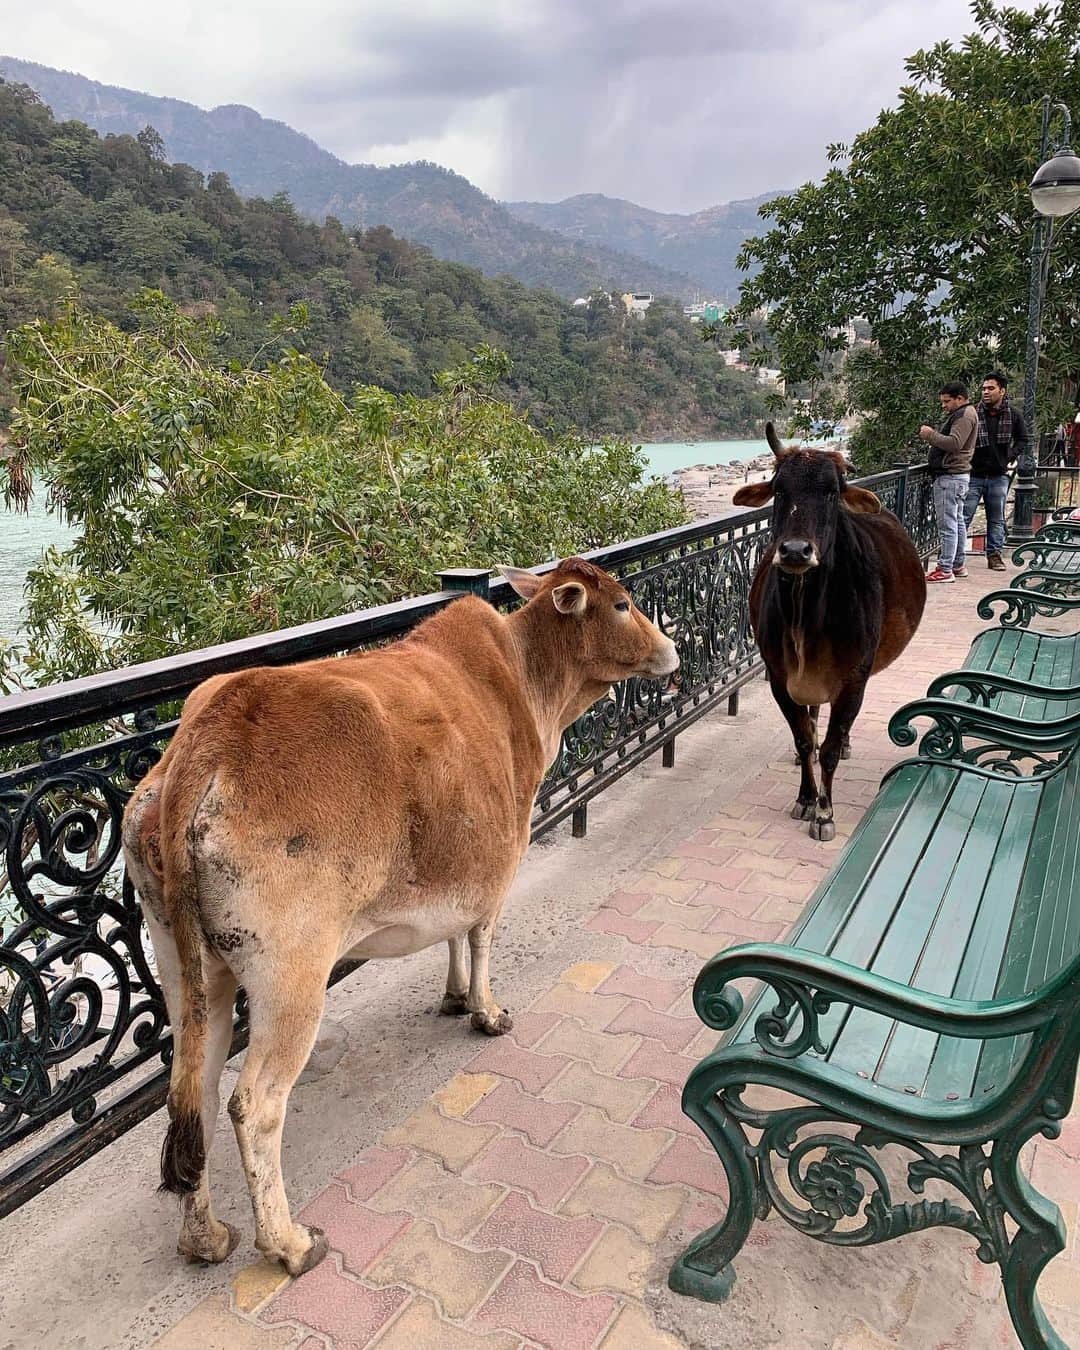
(492, 1026)
(802, 810)
(822, 830)
(320, 1245)
(211, 1248)
(453, 1005)
(845, 751)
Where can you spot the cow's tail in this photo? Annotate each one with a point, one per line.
(183, 1154)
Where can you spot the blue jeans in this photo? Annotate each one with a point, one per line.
(993, 492)
(950, 493)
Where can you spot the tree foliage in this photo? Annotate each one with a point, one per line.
(924, 226)
(104, 216)
(215, 500)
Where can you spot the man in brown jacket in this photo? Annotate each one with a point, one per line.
(949, 458)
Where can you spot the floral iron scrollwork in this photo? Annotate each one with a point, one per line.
(75, 976)
(837, 1176)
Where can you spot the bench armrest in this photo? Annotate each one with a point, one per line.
(1064, 531)
(1038, 548)
(954, 721)
(1021, 605)
(811, 983)
(982, 685)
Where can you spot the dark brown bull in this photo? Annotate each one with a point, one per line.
(836, 598)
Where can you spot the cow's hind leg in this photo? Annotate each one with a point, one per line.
(844, 711)
(287, 997)
(203, 1237)
(456, 999)
(801, 722)
(487, 1016)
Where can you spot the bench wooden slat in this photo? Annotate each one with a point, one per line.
(954, 1063)
(928, 890)
(910, 1053)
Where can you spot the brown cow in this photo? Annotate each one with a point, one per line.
(836, 598)
(365, 806)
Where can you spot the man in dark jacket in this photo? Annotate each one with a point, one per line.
(1002, 438)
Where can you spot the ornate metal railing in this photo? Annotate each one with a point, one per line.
(83, 1030)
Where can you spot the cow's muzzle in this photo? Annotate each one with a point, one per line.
(664, 662)
(795, 556)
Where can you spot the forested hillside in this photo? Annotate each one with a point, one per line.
(101, 217)
(421, 201)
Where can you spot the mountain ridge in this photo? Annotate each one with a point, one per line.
(421, 201)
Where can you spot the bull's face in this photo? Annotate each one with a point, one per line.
(808, 490)
(594, 622)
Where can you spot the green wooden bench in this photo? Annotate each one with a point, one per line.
(1050, 564)
(1018, 691)
(1064, 531)
(929, 997)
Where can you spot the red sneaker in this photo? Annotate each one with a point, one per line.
(960, 572)
(938, 575)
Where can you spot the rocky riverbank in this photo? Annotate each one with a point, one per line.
(709, 488)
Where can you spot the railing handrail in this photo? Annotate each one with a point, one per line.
(37, 712)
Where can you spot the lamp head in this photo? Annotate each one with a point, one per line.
(1055, 189)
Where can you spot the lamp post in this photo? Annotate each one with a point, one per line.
(1055, 194)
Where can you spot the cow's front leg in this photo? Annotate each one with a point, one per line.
(456, 999)
(803, 731)
(844, 711)
(487, 1016)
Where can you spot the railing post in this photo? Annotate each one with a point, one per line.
(668, 757)
(579, 821)
(901, 489)
(733, 702)
(471, 580)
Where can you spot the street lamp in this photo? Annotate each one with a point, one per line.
(1055, 194)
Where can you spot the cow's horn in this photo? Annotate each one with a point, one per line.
(774, 440)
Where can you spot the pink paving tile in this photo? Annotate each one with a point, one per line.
(674, 1032)
(1069, 1139)
(534, 1072)
(664, 1111)
(626, 980)
(745, 903)
(546, 1177)
(531, 1027)
(608, 921)
(702, 1213)
(687, 1164)
(652, 1060)
(734, 925)
(359, 1234)
(551, 1317)
(626, 902)
(372, 1170)
(515, 1110)
(694, 869)
(343, 1310)
(555, 1244)
(705, 852)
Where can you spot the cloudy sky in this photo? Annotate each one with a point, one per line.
(676, 104)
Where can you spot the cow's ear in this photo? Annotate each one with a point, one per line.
(525, 583)
(570, 598)
(861, 500)
(754, 494)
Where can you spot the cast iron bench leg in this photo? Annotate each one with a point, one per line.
(704, 1268)
(1039, 1238)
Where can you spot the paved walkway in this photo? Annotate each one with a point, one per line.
(539, 1196)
